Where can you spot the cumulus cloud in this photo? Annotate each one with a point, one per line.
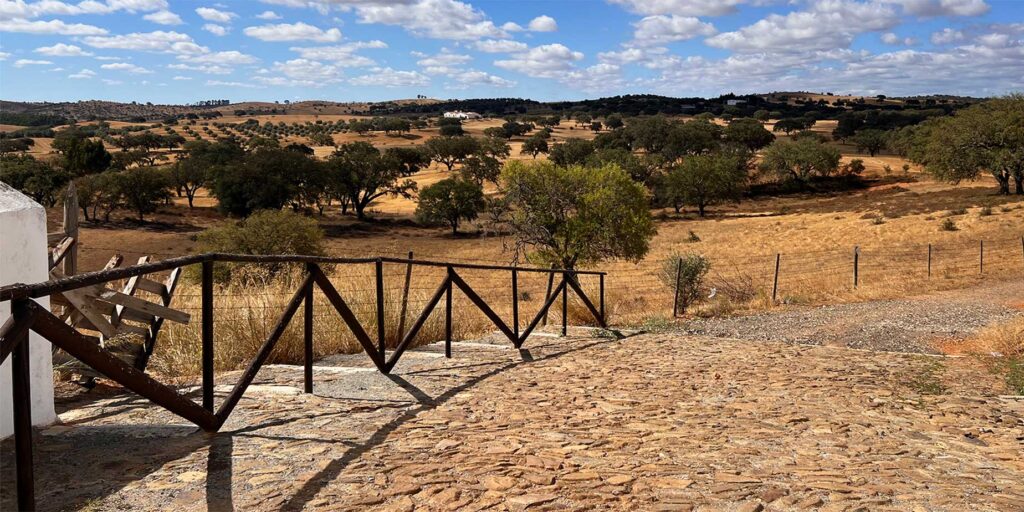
(163, 18)
(63, 50)
(49, 27)
(387, 77)
(499, 46)
(127, 68)
(545, 61)
(930, 8)
(220, 83)
(293, 32)
(300, 72)
(4, 55)
(893, 39)
(680, 7)
(209, 69)
(344, 55)
(215, 29)
(661, 29)
(472, 77)
(215, 15)
(158, 41)
(946, 36)
(83, 74)
(444, 62)
(20, 63)
(439, 19)
(543, 23)
(25, 10)
(179, 77)
(510, 26)
(227, 58)
(268, 15)
(825, 25)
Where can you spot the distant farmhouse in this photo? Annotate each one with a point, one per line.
(458, 114)
(733, 103)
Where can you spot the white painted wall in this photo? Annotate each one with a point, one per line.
(23, 260)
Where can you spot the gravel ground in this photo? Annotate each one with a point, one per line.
(906, 325)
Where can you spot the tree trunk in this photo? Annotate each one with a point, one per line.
(1004, 183)
(455, 227)
(1018, 179)
(700, 209)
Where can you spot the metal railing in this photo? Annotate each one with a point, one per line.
(29, 316)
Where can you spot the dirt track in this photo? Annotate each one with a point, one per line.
(906, 325)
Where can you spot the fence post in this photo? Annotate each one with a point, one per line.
(547, 294)
(601, 279)
(70, 228)
(405, 298)
(207, 334)
(21, 396)
(981, 256)
(675, 299)
(565, 303)
(448, 317)
(308, 334)
(515, 302)
(775, 282)
(929, 261)
(856, 266)
(379, 267)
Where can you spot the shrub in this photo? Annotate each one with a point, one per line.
(692, 238)
(948, 225)
(449, 201)
(264, 232)
(684, 275)
(985, 211)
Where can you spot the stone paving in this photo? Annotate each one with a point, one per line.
(648, 422)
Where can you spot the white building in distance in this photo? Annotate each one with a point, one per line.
(458, 114)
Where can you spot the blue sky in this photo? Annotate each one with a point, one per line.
(168, 51)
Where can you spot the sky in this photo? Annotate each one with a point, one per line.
(169, 51)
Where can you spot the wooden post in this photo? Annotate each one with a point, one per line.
(307, 334)
(547, 294)
(21, 396)
(448, 318)
(929, 261)
(675, 300)
(565, 303)
(856, 266)
(379, 265)
(601, 279)
(775, 282)
(981, 256)
(70, 228)
(515, 302)
(405, 298)
(207, 334)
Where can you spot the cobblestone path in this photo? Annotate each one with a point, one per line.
(648, 422)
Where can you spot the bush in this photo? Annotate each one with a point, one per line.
(449, 201)
(684, 274)
(948, 225)
(264, 232)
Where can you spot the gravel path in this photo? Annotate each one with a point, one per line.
(905, 325)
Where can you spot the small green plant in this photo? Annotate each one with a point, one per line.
(684, 274)
(906, 168)
(887, 169)
(985, 211)
(1013, 374)
(948, 225)
(926, 379)
(693, 238)
(957, 211)
(878, 220)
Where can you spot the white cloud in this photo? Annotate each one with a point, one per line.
(215, 29)
(10, 9)
(546, 61)
(468, 78)
(499, 46)
(226, 58)
(209, 69)
(661, 29)
(216, 15)
(930, 8)
(181, 78)
(158, 41)
(127, 68)
(893, 39)
(343, 55)
(109, 81)
(826, 25)
(20, 63)
(543, 23)
(293, 32)
(946, 36)
(49, 27)
(4, 55)
(387, 77)
(63, 50)
(596, 79)
(510, 26)
(83, 74)
(438, 19)
(444, 62)
(268, 15)
(163, 18)
(300, 72)
(680, 7)
(219, 83)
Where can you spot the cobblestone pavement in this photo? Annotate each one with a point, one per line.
(648, 422)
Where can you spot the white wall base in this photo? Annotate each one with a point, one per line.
(23, 260)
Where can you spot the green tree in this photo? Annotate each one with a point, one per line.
(749, 133)
(705, 180)
(791, 125)
(450, 127)
(871, 141)
(263, 232)
(364, 175)
(450, 201)
(571, 152)
(534, 145)
(762, 115)
(267, 178)
(614, 122)
(321, 139)
(98, 193)
(143, 190)
(36, 179)
(691, 138)
(81, 155)
(576, 215)
(451, 150)
(800, 160)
